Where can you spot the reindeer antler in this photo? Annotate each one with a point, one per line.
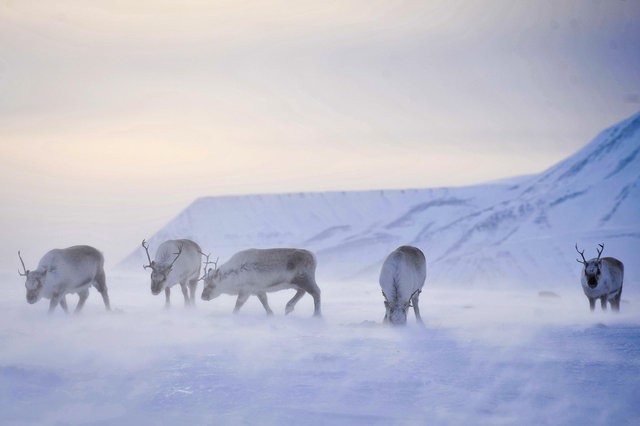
(145, 244)
(177, 256)
(26, 272)
(583, 261)
(600, 251)
(206, 262)
(418, 291)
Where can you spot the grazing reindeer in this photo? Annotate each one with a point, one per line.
(402, 278)
(64, 271)
(176, 261)
(602, 279)
(261, 271)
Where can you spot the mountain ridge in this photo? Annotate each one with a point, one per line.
(519, 229)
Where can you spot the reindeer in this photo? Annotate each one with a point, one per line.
(258, 272)
(176, 261)
(602, 279)
(64, 271)
(401, 279)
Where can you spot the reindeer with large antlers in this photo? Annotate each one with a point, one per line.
(176, 262)
(65, 271)
(602, 279)
(401, 278)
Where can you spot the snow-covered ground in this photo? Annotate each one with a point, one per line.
(494, 349)
(483, 357)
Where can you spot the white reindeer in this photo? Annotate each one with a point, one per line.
(176, 262)
(401, 279)
(258, 272)
(65, 271)
(602, 279)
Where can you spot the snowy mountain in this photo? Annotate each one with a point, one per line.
(518, 230)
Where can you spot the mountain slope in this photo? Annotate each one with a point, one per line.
(520, 230)
(591, 197)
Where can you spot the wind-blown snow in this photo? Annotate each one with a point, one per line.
(508, 336)
(483, 358)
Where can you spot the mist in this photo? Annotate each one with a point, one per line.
(372, 124)
(492, 356)
(115, 116)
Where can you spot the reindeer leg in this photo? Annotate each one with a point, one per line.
(101, 285)
(167, 294)
(192, 290)
(63, 304)
(615, 304)
(416, 309)
(82, 298)
(615, 301)
(315, 293)
(291, 304)
(262, 296)
(55, 299)
(185, 293)
(603, 303)
(385, 320)
(242, 297)
(309, 285)
(592, 303)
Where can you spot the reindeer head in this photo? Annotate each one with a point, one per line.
(591, 268)
(211, 279)
(159, 271)
(33, 283)
(396, 310)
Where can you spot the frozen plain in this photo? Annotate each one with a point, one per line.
(483, 357)
(493, 351)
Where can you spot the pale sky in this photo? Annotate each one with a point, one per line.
(115, 115)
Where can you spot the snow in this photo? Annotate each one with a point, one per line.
(508, 335)
(521, 230)
(483, 357)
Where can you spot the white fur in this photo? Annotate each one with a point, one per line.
(66, 271)
(402, 277)
(609, 282)
(259, 271)
(185, 271)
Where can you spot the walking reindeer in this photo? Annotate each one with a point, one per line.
(401, 279)
(176, 262)
(65, 271)
(602, 279)
(259, 271)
